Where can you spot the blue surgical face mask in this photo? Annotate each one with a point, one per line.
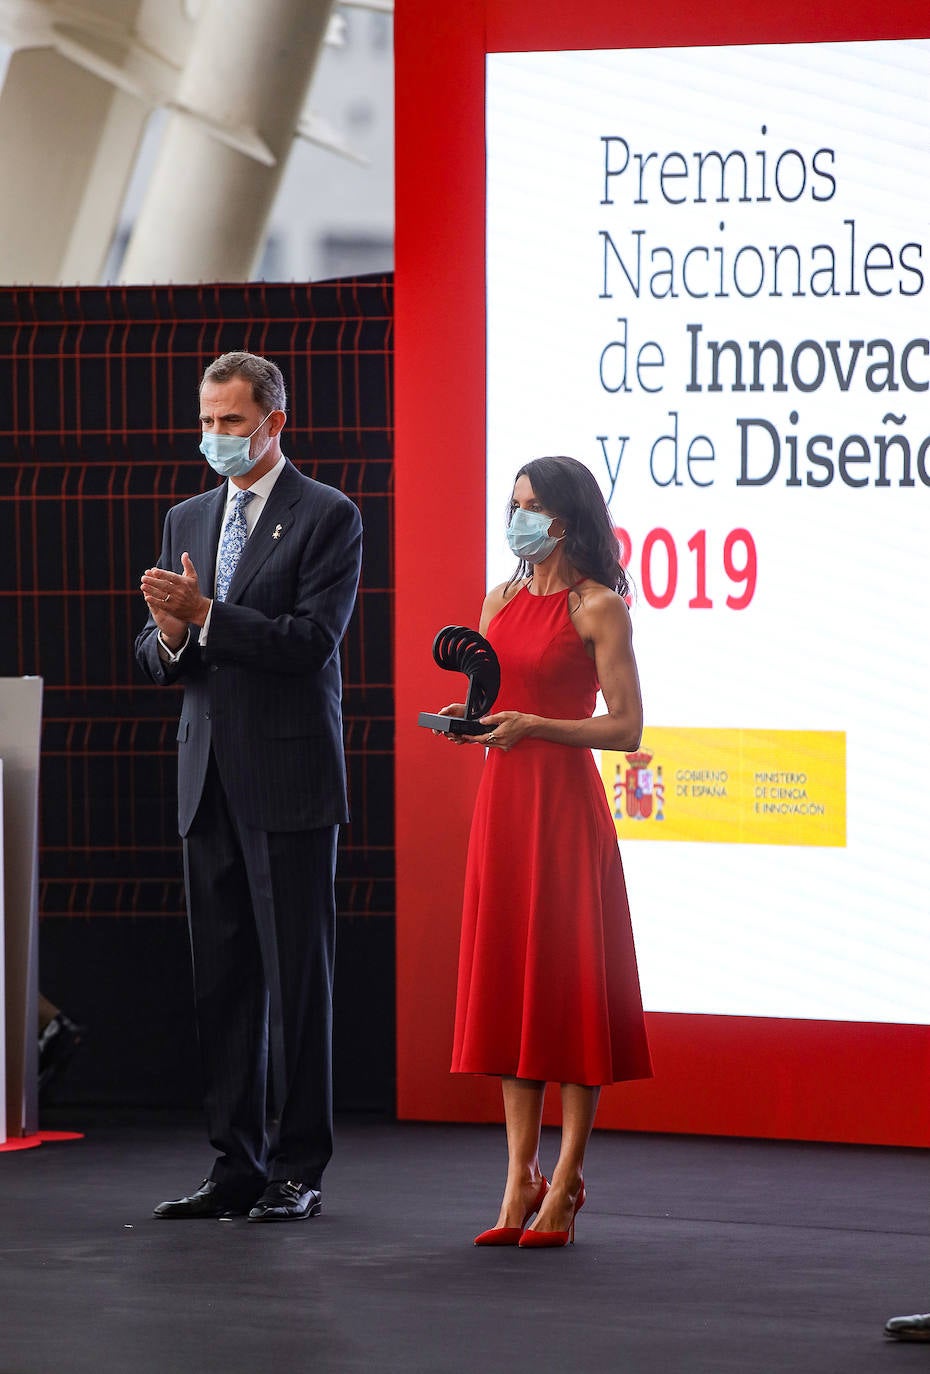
(229, 454)
(528, 535)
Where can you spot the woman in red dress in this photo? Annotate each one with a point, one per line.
(548, 989)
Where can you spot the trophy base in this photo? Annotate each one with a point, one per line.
(453, 725)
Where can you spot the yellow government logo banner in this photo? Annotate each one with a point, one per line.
(731, 786)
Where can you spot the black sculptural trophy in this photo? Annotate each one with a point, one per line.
(466, 651)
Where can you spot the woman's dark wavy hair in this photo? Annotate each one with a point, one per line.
(569, 490)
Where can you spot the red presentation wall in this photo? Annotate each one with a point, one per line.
(809, 1080)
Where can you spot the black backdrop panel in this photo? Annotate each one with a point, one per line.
(98, 436)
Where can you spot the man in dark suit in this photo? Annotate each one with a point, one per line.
(248, 604)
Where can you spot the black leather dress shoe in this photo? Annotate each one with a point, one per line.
(209, 1200)
(916, 1328)
(286, 1200)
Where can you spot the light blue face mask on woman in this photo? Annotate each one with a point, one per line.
(228, 454)
(528, 535)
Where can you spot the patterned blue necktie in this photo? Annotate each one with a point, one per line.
(235, 533)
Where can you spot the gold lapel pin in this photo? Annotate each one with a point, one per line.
(277, 532)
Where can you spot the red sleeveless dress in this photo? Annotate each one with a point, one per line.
(547, 984)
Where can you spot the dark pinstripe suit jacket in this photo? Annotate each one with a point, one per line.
(266, 689)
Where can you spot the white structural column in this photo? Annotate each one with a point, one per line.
(68, 141)
(244, 86)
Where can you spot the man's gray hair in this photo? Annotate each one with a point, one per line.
(265, 376)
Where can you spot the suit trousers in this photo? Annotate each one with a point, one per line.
(261, 912)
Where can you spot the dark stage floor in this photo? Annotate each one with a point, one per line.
(692, 1255)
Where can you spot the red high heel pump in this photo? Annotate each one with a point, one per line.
(539, 1240)
(510, 1235)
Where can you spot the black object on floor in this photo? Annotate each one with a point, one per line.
(57, 1045)
(692, 1256)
